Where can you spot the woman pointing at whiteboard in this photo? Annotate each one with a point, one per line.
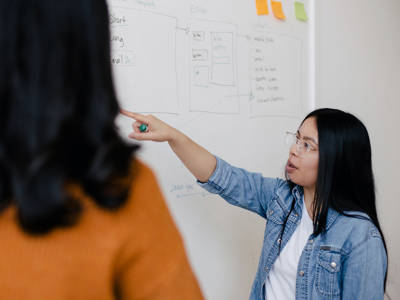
(323, 239)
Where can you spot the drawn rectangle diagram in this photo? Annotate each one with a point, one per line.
(199, 54)
(222, 58)
(198, 36)
(213, 64)
(144, 60)
(201, 76)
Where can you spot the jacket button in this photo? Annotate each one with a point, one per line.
(266, 269)
(301, 273)
(333, 264)
(279, 241)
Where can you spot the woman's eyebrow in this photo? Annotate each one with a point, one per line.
(307, 138)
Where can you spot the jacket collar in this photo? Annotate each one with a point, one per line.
(298, 193)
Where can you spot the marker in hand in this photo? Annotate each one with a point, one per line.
(149, 128)
(143, 127)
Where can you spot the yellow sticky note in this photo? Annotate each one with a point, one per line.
(262, 7)
(278, 10)
(300, 11)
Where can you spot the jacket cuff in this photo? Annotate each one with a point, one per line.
(219, 180)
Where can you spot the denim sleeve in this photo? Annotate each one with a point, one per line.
(365, 269)
(241, 188)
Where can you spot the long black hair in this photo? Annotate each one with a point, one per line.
(57, 111)
(345, 180)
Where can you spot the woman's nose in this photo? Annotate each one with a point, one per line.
(293, 150)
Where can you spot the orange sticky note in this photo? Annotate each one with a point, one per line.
(278, 10)
(262, 7)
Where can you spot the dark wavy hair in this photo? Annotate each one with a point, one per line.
(57, 111)
(345, 180)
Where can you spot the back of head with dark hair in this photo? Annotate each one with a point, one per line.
(57, 111)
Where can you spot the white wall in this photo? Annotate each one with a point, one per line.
(358, 70)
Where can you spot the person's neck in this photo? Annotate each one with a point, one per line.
(309, 200)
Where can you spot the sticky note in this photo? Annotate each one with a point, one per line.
(300, 11)
(277, 10)
(262, 7)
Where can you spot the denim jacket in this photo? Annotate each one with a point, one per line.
(348, 261)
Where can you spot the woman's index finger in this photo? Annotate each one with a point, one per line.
(133, 115)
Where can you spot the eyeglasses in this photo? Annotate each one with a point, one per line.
(302, 145)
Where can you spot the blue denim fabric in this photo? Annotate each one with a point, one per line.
(347, 262)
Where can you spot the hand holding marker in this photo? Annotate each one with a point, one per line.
(198, 160)
(149, 128)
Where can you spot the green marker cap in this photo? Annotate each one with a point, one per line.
(143, 128)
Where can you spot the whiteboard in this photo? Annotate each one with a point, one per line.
(233, 81)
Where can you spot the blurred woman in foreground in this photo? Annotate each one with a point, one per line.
(80, 217)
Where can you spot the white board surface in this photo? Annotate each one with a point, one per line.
(234, 82)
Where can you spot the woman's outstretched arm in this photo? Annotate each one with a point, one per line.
(198, 160)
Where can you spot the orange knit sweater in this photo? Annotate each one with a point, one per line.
(135, 252)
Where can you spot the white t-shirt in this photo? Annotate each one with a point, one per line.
(281, 281)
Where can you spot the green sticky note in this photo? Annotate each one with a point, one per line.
(300, 11)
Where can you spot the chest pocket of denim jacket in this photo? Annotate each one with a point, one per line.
(275, 213)
(328, 273)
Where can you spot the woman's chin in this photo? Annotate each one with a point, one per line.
(293, 179)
